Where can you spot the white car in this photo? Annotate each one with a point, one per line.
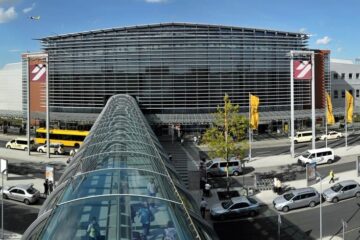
(332, 135)
(54, 149)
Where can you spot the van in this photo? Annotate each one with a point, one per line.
(20, 143)
(303, 197)
(318, 156)
(217, 167)
(305, 136)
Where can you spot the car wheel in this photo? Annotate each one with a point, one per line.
(285, 209)
(330, 161)
(26, 201)
(236, 173)
(252, 213)
(5, 196)
(25, 149)
(77, 145)
(312, 204)
(41, 151)
(295, 141)
(357, 194)
(8, 147)
(335, 200)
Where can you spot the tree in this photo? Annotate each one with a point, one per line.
(226, 136)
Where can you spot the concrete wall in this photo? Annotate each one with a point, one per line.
(11, 87)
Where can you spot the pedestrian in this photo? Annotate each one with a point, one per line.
(51, 186)
(152, 188)
(207, 189)
(170, 232)
(332, 176)
(279, 186)
(275, 183)
(46, 187)
(93, 229)
(145, 219)
(202, 183)
(181, 141)
(195, 139)
(203, 206)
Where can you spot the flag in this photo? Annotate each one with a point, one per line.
(349, 107)
(329, 112)
(254, 114)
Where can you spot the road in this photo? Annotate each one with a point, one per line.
(298, 224)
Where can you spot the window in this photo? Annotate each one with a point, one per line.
(336, 75)
(21, 192)
(298, 197)
(349, 187)
(357, 75)
(350, 75)
(215, 165)
(336, 94)
(342, 93)
(343, 76)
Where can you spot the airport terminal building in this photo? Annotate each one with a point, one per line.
(178, 72)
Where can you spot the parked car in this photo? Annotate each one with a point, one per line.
(332, 135)
(55, 148)
(318, 156)
(25, 193)
(20, 143)
(235, 207)
(342, 190)
(303, 197)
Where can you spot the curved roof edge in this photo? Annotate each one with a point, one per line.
(169, 24)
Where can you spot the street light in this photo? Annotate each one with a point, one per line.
(319, 175)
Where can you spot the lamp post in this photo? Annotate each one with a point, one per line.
(2, 202)
(319, 175)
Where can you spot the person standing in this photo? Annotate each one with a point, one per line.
(93, 229)
(51, 186)
(46, 187)
(203, 206)
(332, 176)
(145, 219)
(152, 188)
(207, 189)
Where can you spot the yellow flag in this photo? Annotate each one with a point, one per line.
(329, 111)
(349, 107)
(254, 114)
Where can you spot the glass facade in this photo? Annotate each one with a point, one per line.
(121, 181)
(174, 68)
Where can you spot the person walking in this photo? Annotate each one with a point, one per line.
(93, 229)
(145, 219)
(46, 187)
(203, 206)
(332, 176)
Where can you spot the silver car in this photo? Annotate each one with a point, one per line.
(235, 207)
(303, 197)
(342, 190)
(24, 193)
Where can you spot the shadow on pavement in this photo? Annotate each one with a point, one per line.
(35, 170)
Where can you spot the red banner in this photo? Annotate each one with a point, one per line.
(302, 70)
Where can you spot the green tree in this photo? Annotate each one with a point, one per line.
(226, 136)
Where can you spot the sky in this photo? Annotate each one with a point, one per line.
(332, 24)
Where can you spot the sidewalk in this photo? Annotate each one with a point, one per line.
(14, 179)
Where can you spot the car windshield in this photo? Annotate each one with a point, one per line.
(31, 190)
(208, 164)
(305, 154)
(252, 201)
(336, 187)
(227, 204)
(288, 196)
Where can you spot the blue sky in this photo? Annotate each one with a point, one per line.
(332, 23)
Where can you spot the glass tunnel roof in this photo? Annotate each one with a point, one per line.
(119, 181)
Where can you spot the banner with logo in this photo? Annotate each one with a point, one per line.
(49, 173)
(254, 114)
(302, 70)
(311, 174)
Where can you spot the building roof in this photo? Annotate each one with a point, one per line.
(55, 37)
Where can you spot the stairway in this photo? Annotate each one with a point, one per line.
(180, 159)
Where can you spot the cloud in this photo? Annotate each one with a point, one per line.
(29, 9)
(7, 15)
(323, 41)
(153, 1)
(302, 30)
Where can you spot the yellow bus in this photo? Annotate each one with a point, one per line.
(70, 138)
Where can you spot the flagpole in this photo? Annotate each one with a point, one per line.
(313, 99)
(346, 116)
(292, 121)
(250, 127)
(326, 120)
